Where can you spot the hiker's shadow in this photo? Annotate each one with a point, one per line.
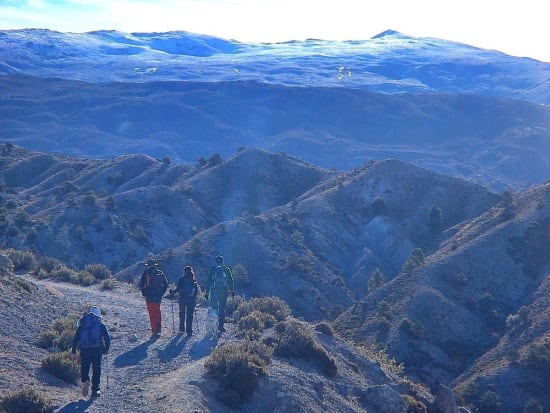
(204, 347)
(173, 348)
(133, 356)
(80, 406)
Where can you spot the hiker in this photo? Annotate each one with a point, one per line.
(219, 283)
(93, 340)
(187, 289)
(153, 285)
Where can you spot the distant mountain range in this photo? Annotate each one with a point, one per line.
(449, 107)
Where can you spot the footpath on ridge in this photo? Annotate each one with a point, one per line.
(140, 372)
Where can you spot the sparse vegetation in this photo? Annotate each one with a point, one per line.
(380, 355)
(26, 401)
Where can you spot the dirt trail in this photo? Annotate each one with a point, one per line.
(140, 371)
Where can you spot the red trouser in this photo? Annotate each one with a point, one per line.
(154, 317)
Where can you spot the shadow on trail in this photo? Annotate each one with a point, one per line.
(135, 355)
(78, 407)
(173, 348)
(204, 347)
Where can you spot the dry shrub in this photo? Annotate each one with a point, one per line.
(268, 305)
(62, 366)
(26, 401)
(238, 368)
(295, 339)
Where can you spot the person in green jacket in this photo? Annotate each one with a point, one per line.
(219, 284)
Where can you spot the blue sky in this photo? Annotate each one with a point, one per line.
(519, 28)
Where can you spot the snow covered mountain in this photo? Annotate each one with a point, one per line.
(449, 107)
(389, 62)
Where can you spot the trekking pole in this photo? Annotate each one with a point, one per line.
(107, 370)
(173, 321)
(195, 321)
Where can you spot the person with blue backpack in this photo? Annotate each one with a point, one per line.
(219, 283)
(93, 340)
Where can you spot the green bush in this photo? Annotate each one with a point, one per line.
(59, 336)
(295, 340)
(533, 406)
(538, 358)
(238, 368)
(414, 329)
(63, 273)
(26, 401)
(490, 402)
(99, 271)
(86, 278)
(61, 366)
(269, 305)
(22, 260)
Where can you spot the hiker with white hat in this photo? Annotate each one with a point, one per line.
(93, 340)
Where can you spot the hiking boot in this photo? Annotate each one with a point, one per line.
(85, 387)
(96, 393)
(189, 333)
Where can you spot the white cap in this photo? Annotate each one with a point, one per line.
(95, 311)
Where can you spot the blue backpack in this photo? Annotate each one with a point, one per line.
(90, 331)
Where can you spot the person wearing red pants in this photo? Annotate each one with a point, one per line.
(153, 285)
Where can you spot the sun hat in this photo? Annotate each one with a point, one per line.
(95, 311)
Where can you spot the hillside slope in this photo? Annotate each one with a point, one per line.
(475, 310)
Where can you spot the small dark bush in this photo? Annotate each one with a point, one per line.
(325, 328)
(26, 401)
(414, 329)
(538, 358)
(61, 366)
(99, 271)
(533, 406)
(413, 405)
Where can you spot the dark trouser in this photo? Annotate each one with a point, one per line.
(187, 309)
(91, 356)
(219, 302)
